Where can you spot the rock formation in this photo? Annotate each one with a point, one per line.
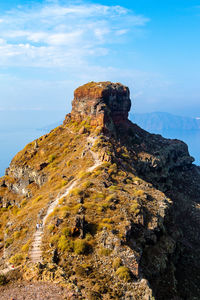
(102, 102)
(120, 207)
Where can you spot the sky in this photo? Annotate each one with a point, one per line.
(48, 48)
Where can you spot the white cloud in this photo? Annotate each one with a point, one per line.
(55, 34)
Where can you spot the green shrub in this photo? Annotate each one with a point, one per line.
(117, 262)
(110, 198)
(64, 244)
(138, 193)
(16, 259)
(67, 231)
(103, 207)
(105, 251)
(54, 239)
(25, 247)
(16, 235)
(37, 199)
(135, 207)
(87, 184)
(113, 188)
(124, 273)
(69, 163)
(97, 196)
(103, 225)
(125, 155)
(8, 242)
(107, 220)
(51, 227)
(83, 174)
(76, 192)
(63, 183)
(52, 157)
(81, 246)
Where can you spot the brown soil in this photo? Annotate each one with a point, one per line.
(36, 291)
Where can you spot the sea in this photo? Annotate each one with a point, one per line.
(18, 128)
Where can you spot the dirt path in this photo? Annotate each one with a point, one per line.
(36, 252)
(36, 291)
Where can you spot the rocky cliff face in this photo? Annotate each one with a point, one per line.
(119, 206)
(104, 103)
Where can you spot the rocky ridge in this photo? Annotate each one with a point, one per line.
(129, 227)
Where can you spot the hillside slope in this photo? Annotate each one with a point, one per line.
(118, 207)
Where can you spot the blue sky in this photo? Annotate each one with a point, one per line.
(48, 48)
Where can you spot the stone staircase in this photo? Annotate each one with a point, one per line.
(36, 253)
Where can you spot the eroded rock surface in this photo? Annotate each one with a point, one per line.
(103, 102)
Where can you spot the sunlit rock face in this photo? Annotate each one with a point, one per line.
(102, 102)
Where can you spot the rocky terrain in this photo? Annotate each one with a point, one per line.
(101, 208)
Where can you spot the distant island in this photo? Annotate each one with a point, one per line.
(157, 121)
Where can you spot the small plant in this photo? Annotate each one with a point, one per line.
(67, 231)
(83, 174)
(52, 157)
(16, 259)
(113, 188)
(126, 155)
(54, 239)
(117, 262)
(81, 246)
(135, 207)
(25, 247)
(124, 273)
(97, 196)
(51, 227)
(107, 220)
(63, 183)
(105, 252)
(87, 184)
(76, 192)
(139, 193)
(8, 242)
(110, 198)
(69, 163)
(103, 207)
(36, 200)
(16, 235)
(64, 244)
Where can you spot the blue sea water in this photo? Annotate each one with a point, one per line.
(18, 128)
(12, 141)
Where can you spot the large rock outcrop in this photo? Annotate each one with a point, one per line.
(103, 102)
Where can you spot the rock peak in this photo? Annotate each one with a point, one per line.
(103, 102)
